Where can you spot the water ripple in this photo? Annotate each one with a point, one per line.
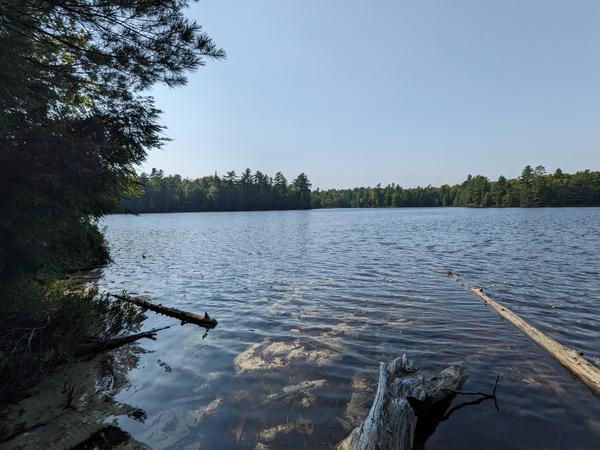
(321, 296)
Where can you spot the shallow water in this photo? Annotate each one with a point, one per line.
(309, 301)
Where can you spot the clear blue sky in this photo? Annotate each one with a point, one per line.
(414, 92)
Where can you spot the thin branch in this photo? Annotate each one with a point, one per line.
(483, 395)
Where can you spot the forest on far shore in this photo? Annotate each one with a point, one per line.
(258, 191)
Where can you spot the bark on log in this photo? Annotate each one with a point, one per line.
(109, 344)
(204, 321)
(569, 358)
(392, 420)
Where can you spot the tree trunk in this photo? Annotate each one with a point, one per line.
(569, 358)
(401, 393)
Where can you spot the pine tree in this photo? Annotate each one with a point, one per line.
(75, 117)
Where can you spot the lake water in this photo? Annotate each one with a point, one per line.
(308, 302)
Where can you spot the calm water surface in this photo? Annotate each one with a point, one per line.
(309, 301)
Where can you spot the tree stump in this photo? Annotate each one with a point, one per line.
(402, 397)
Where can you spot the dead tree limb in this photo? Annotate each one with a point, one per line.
(570, 359)
(204, 321)
(109, 344)
(482, 394)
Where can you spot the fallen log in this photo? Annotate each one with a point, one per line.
(109, 344)
(570, 359)
(402, 396)
(204, 321)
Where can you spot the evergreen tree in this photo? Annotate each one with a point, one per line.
(75, 119)
(301, 192)
(526, 187)
(281, 191)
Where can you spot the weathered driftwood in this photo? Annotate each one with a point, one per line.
(204, 321)
(109, 344)
(569, 358)
(401, 393)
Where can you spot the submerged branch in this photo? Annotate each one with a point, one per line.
(482, 394)
(109, 344)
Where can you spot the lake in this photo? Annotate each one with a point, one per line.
(308, 302)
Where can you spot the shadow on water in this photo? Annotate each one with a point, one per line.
(429, 419)
(72, 407)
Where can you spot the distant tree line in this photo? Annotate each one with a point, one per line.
(247, 192)
(534, 188)
(258, 191)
